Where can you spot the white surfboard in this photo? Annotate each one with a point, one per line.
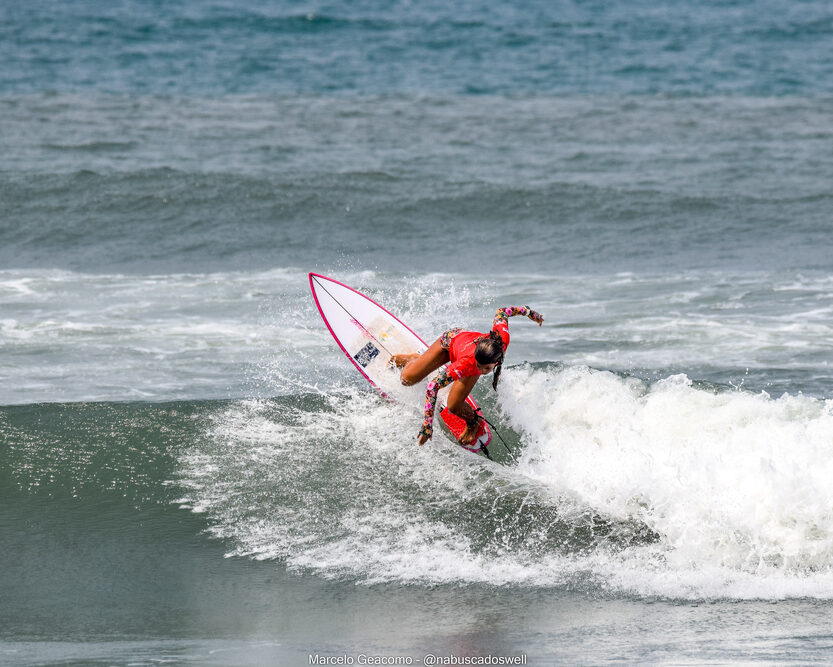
(369, 335)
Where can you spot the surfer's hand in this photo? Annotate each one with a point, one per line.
(535, 316)
(423, 438)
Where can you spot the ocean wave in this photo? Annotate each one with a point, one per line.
(616, 485)
(660, 489)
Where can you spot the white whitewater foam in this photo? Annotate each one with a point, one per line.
(735, 487)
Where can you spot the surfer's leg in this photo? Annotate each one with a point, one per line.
(457, 405)
(420, 367)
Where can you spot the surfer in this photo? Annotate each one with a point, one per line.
(469, 354)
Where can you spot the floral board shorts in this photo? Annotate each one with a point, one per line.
(445, 339)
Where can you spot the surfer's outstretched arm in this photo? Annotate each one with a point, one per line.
(503, 314)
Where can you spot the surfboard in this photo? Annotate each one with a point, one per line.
(369, 335)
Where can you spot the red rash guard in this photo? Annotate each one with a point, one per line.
(461, 347)
(461, 350)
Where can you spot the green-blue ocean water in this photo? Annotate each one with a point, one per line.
(192, 472)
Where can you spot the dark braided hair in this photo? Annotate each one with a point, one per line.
(489, 350)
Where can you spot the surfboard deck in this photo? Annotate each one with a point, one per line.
(369, 335)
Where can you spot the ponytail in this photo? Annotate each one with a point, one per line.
(490, 351)
(496, 374)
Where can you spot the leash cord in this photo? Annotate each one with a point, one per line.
(502, 441)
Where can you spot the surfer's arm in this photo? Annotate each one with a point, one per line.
(502, 315)
(456, 403)
(443, 379)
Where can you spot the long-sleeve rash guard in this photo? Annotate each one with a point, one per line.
(461, 349)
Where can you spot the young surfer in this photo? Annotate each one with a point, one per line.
(469, 354)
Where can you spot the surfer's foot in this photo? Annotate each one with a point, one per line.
(467, 436)
(400, 360)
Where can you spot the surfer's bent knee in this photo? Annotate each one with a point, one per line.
(407, 379)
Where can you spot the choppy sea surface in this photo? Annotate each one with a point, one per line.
(191, 471)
